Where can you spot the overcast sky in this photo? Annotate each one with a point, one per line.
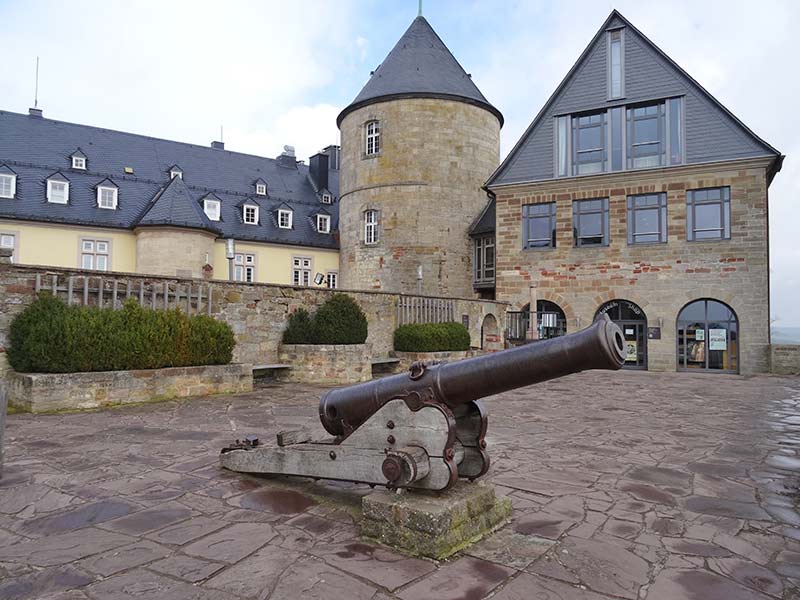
(275, 73)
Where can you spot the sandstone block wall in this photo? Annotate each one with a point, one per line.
(257, 313)
(173, 252)
(407, 358)
(786, 359)
(42, 392)
(426, 186)
(660, 278)
(326, 364)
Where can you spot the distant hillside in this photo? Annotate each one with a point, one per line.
(785, 335)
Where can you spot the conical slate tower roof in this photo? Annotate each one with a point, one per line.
(174, 206)
(420, 66)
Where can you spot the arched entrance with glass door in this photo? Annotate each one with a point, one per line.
(708, 337)
(631, 319)
(550, 319)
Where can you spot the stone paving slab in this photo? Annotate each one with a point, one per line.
(625, 486)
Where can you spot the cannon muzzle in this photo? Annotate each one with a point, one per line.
(599, 346)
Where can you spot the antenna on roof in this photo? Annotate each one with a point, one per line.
(36, 94)
(419, 14)
(221, 135)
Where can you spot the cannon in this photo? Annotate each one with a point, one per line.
(425, 428)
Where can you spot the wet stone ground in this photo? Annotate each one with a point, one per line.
(624, 485)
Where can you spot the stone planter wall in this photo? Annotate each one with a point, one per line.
(406, 358)
(42, 392)
(786, 359)
(326, 364)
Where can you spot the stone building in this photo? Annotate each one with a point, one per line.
(418, 142)
(635, 193)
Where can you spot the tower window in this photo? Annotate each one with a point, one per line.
(250, 214)
(323, 224)
(211, 208)
(371, 227)
(107, 197)
(8, 186)
(285, 219)
(372, 138)
(57, 191)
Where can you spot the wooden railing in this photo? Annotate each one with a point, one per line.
(107, 291)
(419, 309)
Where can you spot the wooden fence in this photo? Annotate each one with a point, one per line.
(111, 292)
(416, 309)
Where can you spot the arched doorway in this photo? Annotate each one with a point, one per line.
(633, 322)
(550, 319)
(708, 337)
(490, 334)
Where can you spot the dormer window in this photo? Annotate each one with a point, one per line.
(8, 185)
(323, 223)
(261, 188)
(57, 191)
(175, 172)
(372, 138)
(327, 198)
(79, 162)
(284, 219)
(250, 214)
(107, 197)
(212, 209)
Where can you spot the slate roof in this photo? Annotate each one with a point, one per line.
(36, 148)
(485, 223)
(420, 65)
(175, 206)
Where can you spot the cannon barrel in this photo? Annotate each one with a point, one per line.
(599, 346)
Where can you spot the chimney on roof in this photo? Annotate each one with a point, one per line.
(218, 145)
(318, 169)
(287, 158)
(333, 153)
(35, 113)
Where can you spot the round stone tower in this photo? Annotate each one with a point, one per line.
(417, 144)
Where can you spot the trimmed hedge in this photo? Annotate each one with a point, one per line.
(339, 320)
(431, 337)
(51, 337)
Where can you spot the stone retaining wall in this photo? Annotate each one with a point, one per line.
(326, 364)
(406, 358)
(786, 359)
(42, 392)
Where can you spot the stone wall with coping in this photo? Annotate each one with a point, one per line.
(328, 364)
(257, 313)
(44, 392)
(661, 278)
(407, 358)
(786, 359)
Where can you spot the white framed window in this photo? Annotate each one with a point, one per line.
(327, 199)
(244, 267)
(261, 189)
(8, 185)
(57, 191)
(250, 214)
(9, 241)
(285, 219)
(211, 208)
(370, 226)
(323, 223)
(372, 138)
(79, 162)
(332, 279)
(107, 197)
(95, 254)
(173, 173)
(301, 270)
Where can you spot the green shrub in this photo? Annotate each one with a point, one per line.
(431, 337)
(51, 337)
(339, 320)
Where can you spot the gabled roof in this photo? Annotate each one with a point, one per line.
(174, 206)
(107, 183)
(616, 20)
(57, 176)
(249, 201)
(6, 170)
(283, 206)
(78, 154)
(321, 211)
(259, 180)
(485, 223)
(419, 66)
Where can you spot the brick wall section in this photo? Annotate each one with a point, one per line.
(426, 184)
(786, 359)
(660, 278)
(257, 313)
(42, 392)
(326, 364)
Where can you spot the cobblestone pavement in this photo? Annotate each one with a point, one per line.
(624, 485)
